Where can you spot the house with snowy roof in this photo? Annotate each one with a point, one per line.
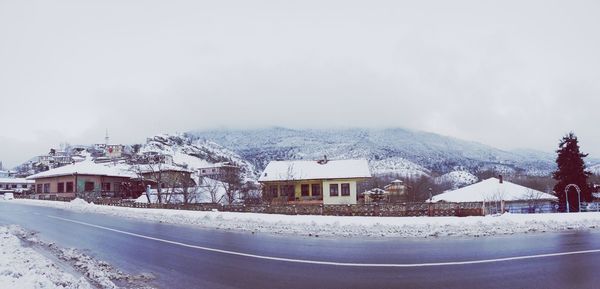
(329, 182)
(500, 196)
(84, 177)
(14, 185)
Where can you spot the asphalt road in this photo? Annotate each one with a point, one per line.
(189, 257)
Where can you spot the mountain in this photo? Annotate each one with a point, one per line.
(389, 151)
(457, 179)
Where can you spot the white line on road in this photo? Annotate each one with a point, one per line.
(346, 264)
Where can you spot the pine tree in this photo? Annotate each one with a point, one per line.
(571, 170)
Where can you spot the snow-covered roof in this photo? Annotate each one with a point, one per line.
(158, 168)
(15, 181)
(492, 190)
(84, 168)
(313, 170)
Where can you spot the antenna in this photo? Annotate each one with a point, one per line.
(106, 137)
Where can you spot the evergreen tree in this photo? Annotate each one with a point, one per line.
(571, 170)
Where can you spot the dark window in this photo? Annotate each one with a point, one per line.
(61, 187)
(305, 190)
(38, 188)
(69, 187)
(273, 190)
(88, 187)
(106, 187)
(288, 190)
(46, 188)
(333, 190)
(316, 189)
(14, 186)
(24, 186)
(345, 189)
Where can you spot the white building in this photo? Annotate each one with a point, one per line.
(15, 185)
(325, 181)
(500, 196)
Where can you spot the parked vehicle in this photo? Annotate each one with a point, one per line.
(9, 196)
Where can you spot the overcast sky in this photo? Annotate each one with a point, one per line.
(511, 74)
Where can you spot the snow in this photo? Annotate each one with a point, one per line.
(15, 181)
(311, 170)
(492, 189)
(349, 226)
(44, 265)
(399, 167)
(78, 201)
(203, 193)
(84, 168)
(457, 179)
(23, 267)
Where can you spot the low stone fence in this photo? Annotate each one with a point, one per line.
(388, 210)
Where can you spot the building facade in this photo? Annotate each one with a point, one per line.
(322, 182)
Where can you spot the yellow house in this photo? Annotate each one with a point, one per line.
(329, 182)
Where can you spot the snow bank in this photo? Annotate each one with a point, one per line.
(22, 267)
(78, 201)
(93, 273)
(333, 226)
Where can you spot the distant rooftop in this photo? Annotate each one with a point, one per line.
(492, 189)
(83, 168)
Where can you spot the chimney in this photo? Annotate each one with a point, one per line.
(323, 161)
(501, 179)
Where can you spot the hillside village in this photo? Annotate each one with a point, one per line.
(186, 169)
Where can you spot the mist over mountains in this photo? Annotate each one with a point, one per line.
(390, 151)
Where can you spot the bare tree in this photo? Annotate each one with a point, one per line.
(533, 199)
(231, 182)
(494, 202)
(213, 188)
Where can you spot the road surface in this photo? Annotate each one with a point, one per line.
(189, 257)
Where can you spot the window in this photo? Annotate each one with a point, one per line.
(88, 187)
(69, 187)
(24, 186)
(305, 190)
(333, 190)
(38, 188)
(117, 187)
(106, 187)
(288, 190)
(346, 189)
(273, 190)
(61, 187)
(14, 186)
(46, 188)
(316, 189)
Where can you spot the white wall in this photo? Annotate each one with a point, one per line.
(339, 200)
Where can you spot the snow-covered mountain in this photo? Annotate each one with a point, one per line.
(398, 151)
(457, 179)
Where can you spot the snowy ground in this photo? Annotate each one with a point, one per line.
(333, 226)
(22, 267)
(28, 262)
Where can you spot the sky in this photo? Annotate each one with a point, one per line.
(510, 74)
